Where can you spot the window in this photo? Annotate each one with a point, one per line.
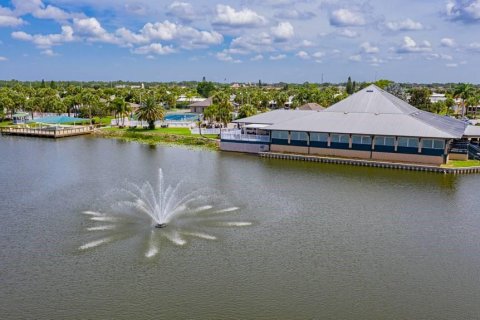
(281, 135)
(408, 142)
(319, 137)
(385, 141)
(361, 139)
(340, 138)
(298, 136)
(433, 144)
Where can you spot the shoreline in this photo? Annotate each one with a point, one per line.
(156, 138)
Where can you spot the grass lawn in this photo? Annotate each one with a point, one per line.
(172, 136)
(5, 123)
(160, 131)
(462, 164)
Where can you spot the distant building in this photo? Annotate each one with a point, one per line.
(199, 107)
(437, 97)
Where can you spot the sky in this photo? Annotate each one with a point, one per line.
(240, 41)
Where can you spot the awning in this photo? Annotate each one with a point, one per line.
(472, 132)
(257, 126)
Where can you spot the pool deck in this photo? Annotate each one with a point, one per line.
(47, 133)
(368, 163)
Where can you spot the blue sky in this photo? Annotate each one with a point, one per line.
(271, 40)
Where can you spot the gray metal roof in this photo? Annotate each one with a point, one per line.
(276, 116)
(373, 111)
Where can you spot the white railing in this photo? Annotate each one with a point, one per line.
(135, 123)
(237, 135)
(205, 131)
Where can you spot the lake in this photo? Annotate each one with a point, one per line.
(326, 241)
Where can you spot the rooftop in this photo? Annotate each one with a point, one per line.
(371, 111)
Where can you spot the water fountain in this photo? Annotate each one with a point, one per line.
(165, 212)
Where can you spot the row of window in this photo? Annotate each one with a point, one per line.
(359, 139)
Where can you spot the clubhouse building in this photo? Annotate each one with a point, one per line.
(371, 124)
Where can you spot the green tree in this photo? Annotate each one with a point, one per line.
(281, 98)
(247, 110)
(420, 98)
(349, 87)
(150, 111)
(205, 88)
(382, 83)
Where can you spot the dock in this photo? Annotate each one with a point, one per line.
(369, 163)
(49, 132)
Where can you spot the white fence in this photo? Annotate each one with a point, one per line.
(135, 123)
(205, 131)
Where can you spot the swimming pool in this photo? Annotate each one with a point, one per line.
(181, 117)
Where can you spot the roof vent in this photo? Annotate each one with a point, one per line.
(370, 90)
(376, 113)
(345, 112)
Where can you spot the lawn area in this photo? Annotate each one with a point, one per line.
(172, 136)
(160, 131)
(462, 164)
(5, 123)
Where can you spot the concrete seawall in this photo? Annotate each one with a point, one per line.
(369, 163)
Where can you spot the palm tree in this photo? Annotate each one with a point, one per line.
(121, 110)
(150, 111)
(472, 103)
(463, 91)
(89, 100)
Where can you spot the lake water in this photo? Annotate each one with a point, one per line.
(327, 241)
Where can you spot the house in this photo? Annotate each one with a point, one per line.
(199, 106)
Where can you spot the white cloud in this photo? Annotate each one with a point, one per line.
(258, 57)
(283, 31)
(366, 47)
(182, 10)
(154, 48)
(404, 25)
(92, 30)
(306, 43)
(410, 46)
(447, 42)
(3, 58)
(346, 17)
(48, 40)
(467, 11)
(347, 33)
(38, 9)
(278, 57)
(223, 56)
(288, 13)
(228, 16)
(255, 42)
(356, 58)
(8, 18)
(474, 46)
(318, 55)
(49, 52)
(303, 55)
(451, 65)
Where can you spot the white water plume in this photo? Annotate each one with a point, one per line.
(178, 215)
